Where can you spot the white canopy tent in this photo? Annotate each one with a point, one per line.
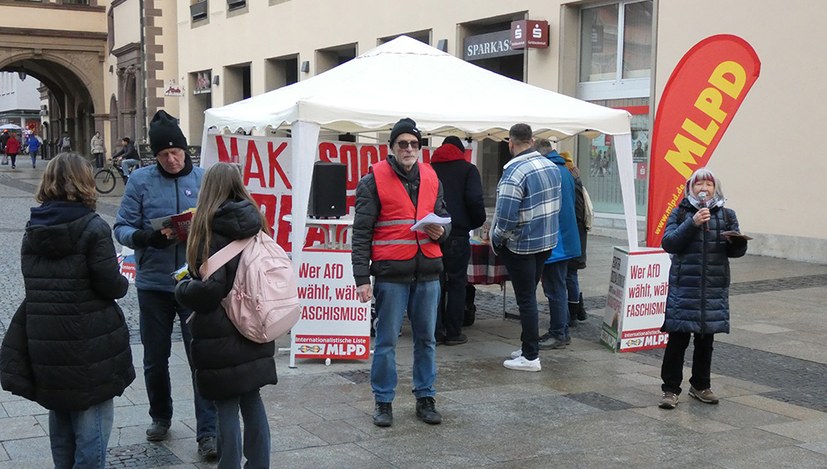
(443, 94)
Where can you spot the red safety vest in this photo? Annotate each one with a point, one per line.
(393, 239)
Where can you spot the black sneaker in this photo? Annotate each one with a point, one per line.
(383, 414)
(456, 340)
(157, 430)
(207, 448)
(426, 412)
(551, 343)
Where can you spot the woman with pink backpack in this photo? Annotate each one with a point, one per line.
(229, 368)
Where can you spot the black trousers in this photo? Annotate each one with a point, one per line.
(671, 371)
(456, 252)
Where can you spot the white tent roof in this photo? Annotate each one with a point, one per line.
(406, 78)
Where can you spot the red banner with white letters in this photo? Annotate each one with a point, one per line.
(698, 103)
(266, 163)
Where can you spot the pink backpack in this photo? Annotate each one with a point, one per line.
(263, 303)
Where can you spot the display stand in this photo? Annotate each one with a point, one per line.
(334, 324)
(636, 301)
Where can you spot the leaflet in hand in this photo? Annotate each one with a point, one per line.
(180, 223)
(734, 234)
(430, 219)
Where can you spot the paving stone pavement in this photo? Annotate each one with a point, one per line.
(587, 408)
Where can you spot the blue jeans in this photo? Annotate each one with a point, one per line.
(127, 165)
(256, 432)
(456, 252)
(525, 271)
(554, 287)
(158, 311)
(573, 284)
(79, 438)
(419, 299)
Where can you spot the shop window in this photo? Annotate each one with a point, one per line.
(615, 70)
(615, 50)
(597, 161)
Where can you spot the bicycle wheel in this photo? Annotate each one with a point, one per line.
(105, 181)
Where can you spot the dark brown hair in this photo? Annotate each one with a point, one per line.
(68, 177)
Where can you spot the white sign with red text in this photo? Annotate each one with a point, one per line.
(636, 301)
(266, 163)
(334, 323)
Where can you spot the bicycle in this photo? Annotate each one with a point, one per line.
(106, 178)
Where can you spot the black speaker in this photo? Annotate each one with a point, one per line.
(328, 190)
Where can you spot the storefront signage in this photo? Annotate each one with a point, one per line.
(698, 103)
(527, 34)
(487, 46)
(173, 89)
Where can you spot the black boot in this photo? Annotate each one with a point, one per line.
(426, 411)
(581, 309)
(572, 314)
(383, 414)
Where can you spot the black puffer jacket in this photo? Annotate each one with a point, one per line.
(698, 298)
(580, 214)
(226, 363)
(367, 211)
(71, 328)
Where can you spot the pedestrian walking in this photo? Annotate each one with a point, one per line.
(12, 149)
(98, 149)
(34, 148)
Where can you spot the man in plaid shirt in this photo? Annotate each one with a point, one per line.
(524, 231)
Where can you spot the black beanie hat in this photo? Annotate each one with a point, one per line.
(404, 126)
(455, 141)
(164, 133)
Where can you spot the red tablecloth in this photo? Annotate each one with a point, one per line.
(485, 268)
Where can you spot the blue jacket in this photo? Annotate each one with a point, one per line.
(149, 194)
(568, 238)
(698, 298)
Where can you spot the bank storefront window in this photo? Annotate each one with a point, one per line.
(615, 70)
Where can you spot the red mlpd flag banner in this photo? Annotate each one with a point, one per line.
(699, 101)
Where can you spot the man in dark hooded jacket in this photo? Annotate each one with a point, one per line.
(463, 196)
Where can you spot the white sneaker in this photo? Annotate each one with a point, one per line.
(517, 353)
(521, 364)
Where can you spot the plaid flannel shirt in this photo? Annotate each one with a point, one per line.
(528, 201)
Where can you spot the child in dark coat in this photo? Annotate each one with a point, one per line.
(229, 368)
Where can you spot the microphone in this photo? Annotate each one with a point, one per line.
(703, 204)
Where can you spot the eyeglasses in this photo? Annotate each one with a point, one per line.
(403, 144)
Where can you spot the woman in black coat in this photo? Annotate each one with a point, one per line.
(701, 234)
(229, 368)
(68, 345)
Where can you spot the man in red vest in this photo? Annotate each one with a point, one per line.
(406, 265)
